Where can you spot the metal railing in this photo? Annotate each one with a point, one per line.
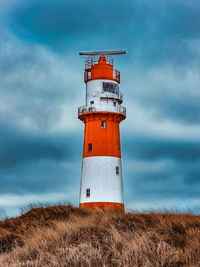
(114, 96)
(92, 60)
(85, 109)
(87, 76)
(116, 75)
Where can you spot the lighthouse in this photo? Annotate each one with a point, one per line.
(101, 177)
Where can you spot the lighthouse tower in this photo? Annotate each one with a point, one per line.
(101, 181)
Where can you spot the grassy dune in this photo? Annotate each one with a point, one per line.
(68, 236)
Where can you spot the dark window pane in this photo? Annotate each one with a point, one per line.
(87, 192)
(111, 87)
(103, 124)
(117, 169)
(89, 147)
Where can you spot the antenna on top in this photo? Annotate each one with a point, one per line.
(102, 53)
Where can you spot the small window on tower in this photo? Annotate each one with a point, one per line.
(89, 147)
(91, 102)
(103, 124)
(114, 104)
(87, 192)
(117, 170)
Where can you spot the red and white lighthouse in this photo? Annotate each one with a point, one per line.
(101, 180)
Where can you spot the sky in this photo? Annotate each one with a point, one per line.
(42, 86)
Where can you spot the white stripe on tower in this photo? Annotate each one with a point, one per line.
(103, 176)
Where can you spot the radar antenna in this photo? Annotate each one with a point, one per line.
(102, 53)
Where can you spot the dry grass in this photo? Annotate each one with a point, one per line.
(68, 236)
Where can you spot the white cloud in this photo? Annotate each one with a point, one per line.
(143, 121)
(13, 204)
(40, 90)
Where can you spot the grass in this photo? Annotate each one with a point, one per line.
(67, 236)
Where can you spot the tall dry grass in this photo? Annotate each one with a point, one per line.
(68, 236)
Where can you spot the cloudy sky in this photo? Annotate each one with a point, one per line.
(41, 87)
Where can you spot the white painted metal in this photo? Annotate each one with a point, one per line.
(84, 109)
(101, 100)
(99, 175)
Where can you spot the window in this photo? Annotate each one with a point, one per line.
(87, 192)
(103, 124)
(114, 104)
(89, 147)
(90, 109)
(91, 102)
(111, 88)
(117, 170)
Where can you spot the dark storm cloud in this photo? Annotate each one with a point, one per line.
(37, 163)
(168, 92)
(161, 169)
(35, 86)
(40, 177)
(18, 147)
(154, 149)
(55, 20)
(182, 108)
(151, 31)
(192, 176)
(155, 33)
(176, 18)
(165, 181)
